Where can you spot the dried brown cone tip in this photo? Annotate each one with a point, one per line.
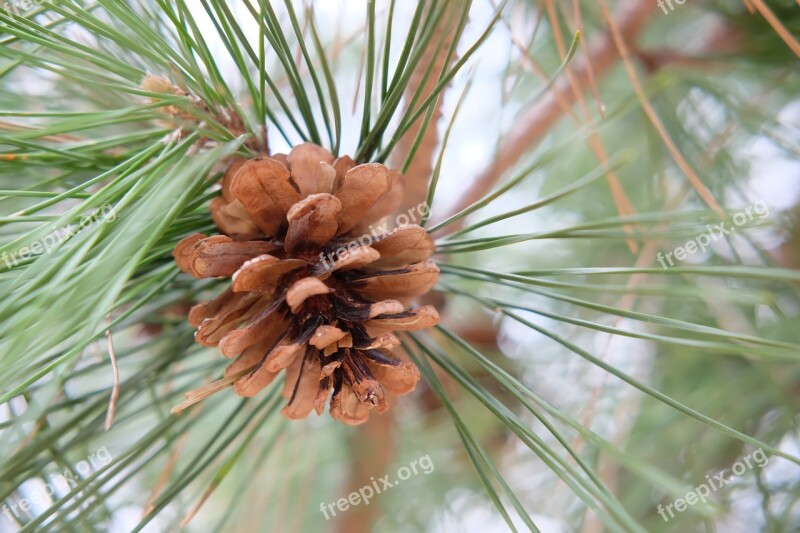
(176, 116)
(315, 288)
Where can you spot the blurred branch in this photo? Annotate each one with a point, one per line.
(718, 41)
(373, 450)
(422, 83)
(632, 16)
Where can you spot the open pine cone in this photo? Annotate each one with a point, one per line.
(316, 288)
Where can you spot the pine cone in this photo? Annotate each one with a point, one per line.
(316, 288)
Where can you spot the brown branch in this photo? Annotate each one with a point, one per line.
(373, 447)
(433, 62)
(631, 17)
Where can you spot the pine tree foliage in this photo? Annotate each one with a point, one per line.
(580, 379)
